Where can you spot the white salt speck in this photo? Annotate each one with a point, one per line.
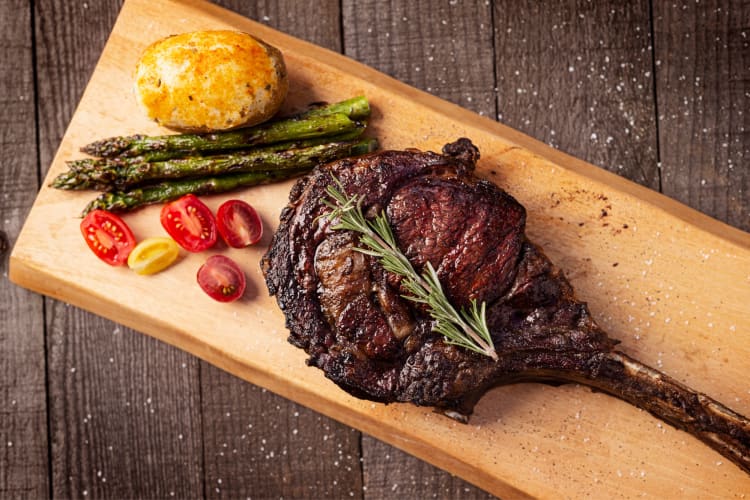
(10, 444)
(593, 136)
(266, 18)
(571, 69)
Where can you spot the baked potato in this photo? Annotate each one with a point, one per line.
(207, 81)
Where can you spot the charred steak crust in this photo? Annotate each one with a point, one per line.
(348, 315)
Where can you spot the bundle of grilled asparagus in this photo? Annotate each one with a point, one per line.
(139, 170)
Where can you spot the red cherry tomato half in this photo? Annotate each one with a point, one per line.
(108, 237)
(222, 279)
(190, 223)
(239, 224)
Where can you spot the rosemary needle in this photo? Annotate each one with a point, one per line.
(467, 328)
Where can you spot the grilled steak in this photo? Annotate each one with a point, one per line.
(349, 315)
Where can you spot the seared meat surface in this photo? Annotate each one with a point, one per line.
(349, 315)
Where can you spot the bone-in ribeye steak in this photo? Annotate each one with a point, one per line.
(348, 314)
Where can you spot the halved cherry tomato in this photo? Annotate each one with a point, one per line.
(190, 223)
(238, 223)
(222, 279)
(108, 236)
(153, 254)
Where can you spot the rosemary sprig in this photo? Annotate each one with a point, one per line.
(467, 328)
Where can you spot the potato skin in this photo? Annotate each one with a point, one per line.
(210, 80)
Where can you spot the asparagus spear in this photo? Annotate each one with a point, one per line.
(124, 201)
(169, 146)
(88, 164)
(119, 174)
(356, 108)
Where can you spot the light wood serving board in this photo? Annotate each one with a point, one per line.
(671, 284)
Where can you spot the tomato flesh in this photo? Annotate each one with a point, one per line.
(153, 255)
(190, 223)
(108, 236)
(222, 279)
(239, 224)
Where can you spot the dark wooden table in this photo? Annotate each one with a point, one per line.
(656, 91)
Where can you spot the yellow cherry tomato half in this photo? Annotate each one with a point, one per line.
(153, 254)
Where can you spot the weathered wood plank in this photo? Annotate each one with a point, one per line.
(445, 49)
(256, 443)
(578, 75)
(23, 414)
(124, 408)
(703, 89)
(260, 445)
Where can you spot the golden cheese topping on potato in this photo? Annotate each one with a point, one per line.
(210, 80)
